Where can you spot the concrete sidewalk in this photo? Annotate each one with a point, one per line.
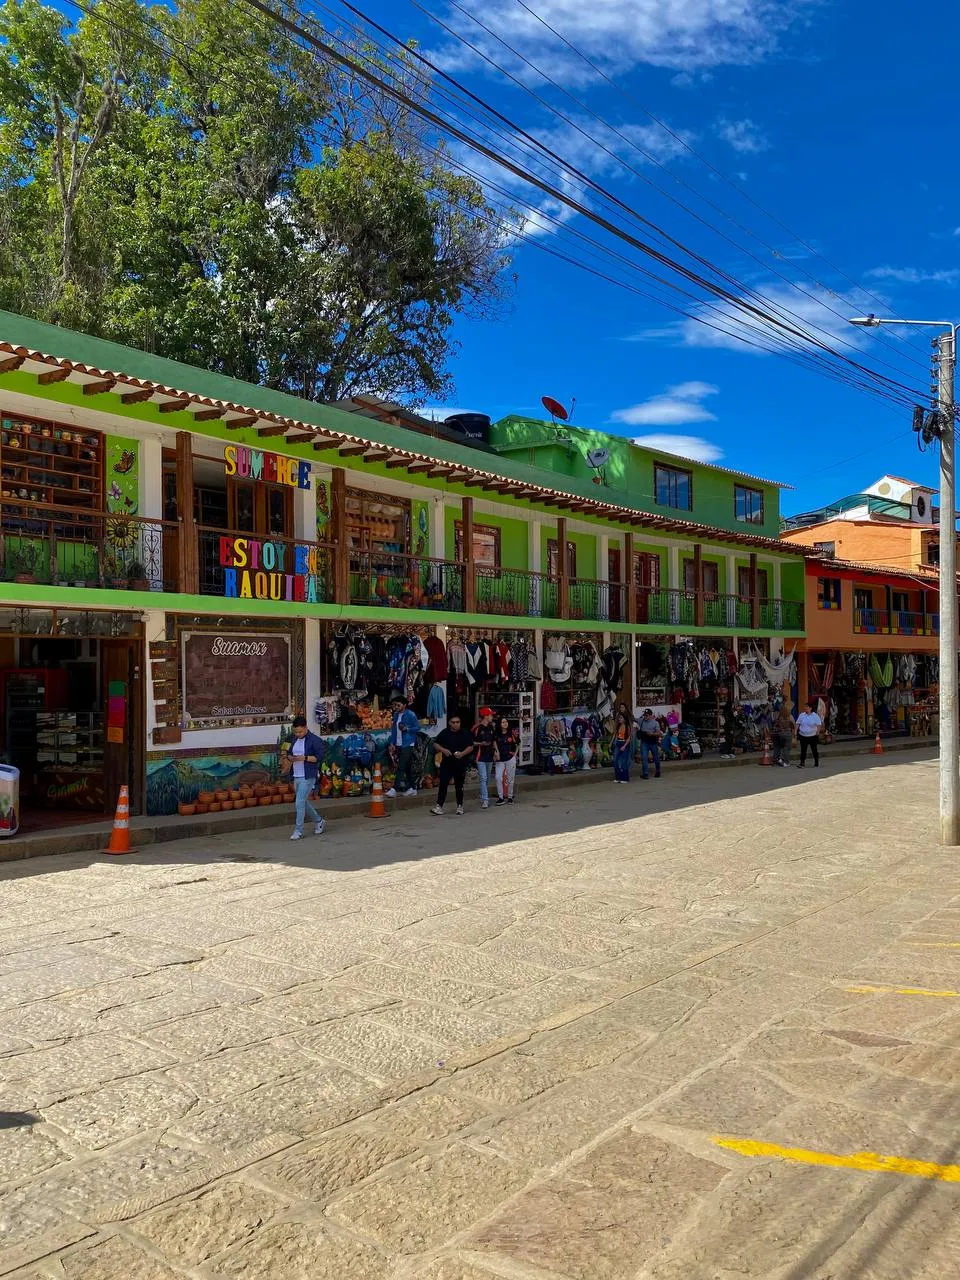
(91, 837)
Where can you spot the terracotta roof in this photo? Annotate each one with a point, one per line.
(860, 566)
(105, 368)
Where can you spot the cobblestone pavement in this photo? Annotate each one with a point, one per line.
(641, 1033)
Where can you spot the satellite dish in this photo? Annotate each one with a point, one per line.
(554, 408)
(598, 457)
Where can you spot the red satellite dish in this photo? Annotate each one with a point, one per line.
(554, 408)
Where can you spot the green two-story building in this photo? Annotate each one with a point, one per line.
(187, 560)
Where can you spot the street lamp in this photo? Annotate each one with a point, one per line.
(949, 732)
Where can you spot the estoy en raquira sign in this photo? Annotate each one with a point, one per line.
(226, 675)
(272, 468)
(260, 569)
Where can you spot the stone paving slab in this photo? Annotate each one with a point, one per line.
(555, 1044)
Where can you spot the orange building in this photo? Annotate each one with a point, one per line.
(870, 652)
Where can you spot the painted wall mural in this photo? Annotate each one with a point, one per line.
(123, 475)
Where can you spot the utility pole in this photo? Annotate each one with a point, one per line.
(949, 728)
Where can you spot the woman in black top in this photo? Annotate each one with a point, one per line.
(455, 746)
(485, 737)
(505, 768)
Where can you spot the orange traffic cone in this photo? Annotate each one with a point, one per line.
(120, 835)
(877, 745)
(767, 756)
(377, 808)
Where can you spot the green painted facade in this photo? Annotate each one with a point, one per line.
(629, 473)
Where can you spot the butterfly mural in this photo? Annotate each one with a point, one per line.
(127, 459)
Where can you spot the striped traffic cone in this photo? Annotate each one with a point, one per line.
(767, 756)
(877, 746)
(120, 835)
(377, 807)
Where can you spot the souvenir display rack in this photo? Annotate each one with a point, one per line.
(43, 463)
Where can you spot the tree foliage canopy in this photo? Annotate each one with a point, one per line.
(194, 183)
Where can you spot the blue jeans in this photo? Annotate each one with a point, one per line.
(485, 770)
(621, 763)
(302, 788)
(649, 750)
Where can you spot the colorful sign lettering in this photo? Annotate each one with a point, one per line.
(255, 569)
(271, 468)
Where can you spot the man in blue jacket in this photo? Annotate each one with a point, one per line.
(300, 759)
(403, 736)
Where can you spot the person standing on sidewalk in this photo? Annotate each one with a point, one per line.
(485, 737)
(455, 746)
(300, 758)
(622, 748)
(403, 736)
(649, 728)
(505, 768)
(783, 730)
(809, 725)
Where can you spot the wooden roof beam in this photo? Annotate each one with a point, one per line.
(377, 455)
(172, 406)
(60, 374)
(138, 396)
(10, 363)
(302, 437)
(353, 450)
(208, 415)
(275, 429)
(245, 420)
(413, 467)
(323, 444)
(98, 388)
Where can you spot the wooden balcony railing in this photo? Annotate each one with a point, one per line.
(517, 593)
(61, 546)
(392, 580)
(871, 621)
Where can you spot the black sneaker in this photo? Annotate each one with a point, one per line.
(509, 799)
(501, 801)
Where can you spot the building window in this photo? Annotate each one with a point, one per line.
(933, 553)
(747, 504)
(711, 578)
(553, 560)
(673, 487)
(900, 601)
(828, 593)
(743, 583)
(486, 545)
(862, 598)
(826, 548)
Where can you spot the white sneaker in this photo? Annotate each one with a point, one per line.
(297, 835)
(437, 811)
(459, 810)
(484, 804)
(391, 794)
(411, 791)
(319, 829)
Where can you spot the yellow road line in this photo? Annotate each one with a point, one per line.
(903, 991)
(864, 1161)
(952, 945)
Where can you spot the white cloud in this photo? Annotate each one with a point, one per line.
(685, 35)
(675, 407)
(743, 136)
(693, 447)
(821, 316)
(916, 275)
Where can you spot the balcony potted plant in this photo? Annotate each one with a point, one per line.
(111, 571)
(137, 576)
(23, 562)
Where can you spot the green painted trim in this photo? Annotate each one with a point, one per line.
(40, 596)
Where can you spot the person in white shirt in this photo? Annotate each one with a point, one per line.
(809, 725)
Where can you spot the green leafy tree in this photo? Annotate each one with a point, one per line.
(192, 182)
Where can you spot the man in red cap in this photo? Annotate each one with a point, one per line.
(485, 736)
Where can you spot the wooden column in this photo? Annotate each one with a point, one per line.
(563, 585)
(698, 611)
(754, 598)
(469, 563)
(188, 548)
(338, 534)
(630, 578)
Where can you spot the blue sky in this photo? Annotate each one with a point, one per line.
(830, 115)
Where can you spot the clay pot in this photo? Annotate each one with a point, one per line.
(236, 793)
(246, 791)
(275, 799)
(186, 810)
(222, 795)
(206, 797)
(215, 807)
(241, 803)
(201, 808)
(261, 791)
(264, 799)
(226, 804)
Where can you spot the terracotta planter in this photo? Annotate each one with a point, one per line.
(246, 791)
(201, 808)
(226, 804)
(186, 810)
(215, 807)
(139, 584)
(259, 792)
(236, 794)
(276, 799)
(241, 803)
(222, 795)
(264, 799)
(206, 797)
